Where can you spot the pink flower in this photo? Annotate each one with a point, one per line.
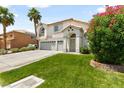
(111, 10)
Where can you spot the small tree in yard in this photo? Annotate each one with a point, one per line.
(6, 19)
(34, 15)
(106, 35)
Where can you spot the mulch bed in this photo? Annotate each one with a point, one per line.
(108, 67)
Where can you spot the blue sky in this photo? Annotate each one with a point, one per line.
(51, 14)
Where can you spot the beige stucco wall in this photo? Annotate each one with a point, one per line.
(50, 28)
(58, 35)
(64, 34)
(51, 35)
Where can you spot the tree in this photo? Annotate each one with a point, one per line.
(106, 35)
(6, 19)
(34, 15)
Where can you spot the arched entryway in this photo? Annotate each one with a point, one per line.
(72, 42)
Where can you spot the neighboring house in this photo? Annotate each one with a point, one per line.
(18, 39)
(67, 35)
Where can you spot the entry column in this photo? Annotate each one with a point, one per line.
(39, 47)
(56, 45)
(77, 43)
(64, 45)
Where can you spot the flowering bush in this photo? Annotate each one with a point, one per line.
(106, 35)
(112, 10)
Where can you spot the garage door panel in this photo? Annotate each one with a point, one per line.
(53, 46)
(43, 46)
(60, 46)
(48, 45)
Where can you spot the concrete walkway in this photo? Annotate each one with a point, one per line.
(16, 60)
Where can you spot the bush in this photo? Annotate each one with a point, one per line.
(14, 50)
(2, 51)
(23, 49)
(27, 48)
(84, 50)
(31, 47)
(106, 36)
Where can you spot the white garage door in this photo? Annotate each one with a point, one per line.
(47, 45)
(53, 45)
(60, 46)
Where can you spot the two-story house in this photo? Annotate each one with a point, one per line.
(66, 35)
(18, 39)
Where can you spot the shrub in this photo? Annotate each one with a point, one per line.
(106, 35)
(84, 50)
(27, 48)
(2, 51)
(14, 50)
(23, 49)
(31, 47)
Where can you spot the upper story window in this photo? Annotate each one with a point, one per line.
(56, 28)
(11, 35)
(42, 32)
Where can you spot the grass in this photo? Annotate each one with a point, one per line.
(65, 70)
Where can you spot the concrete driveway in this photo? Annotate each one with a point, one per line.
(16, 60)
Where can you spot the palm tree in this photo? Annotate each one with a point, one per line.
(6, 19)
(34, 15)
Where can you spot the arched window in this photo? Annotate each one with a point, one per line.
(42, 31)
(73, 36)
(85, 35)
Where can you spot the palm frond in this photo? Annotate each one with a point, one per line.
(6, 17)
(34, 15)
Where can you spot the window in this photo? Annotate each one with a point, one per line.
(56, 28)
(73, 35)
(10, 35)
(42, 30)
(85, 35)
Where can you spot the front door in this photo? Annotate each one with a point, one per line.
(72, 45)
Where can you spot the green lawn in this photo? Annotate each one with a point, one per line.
(66, 70)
